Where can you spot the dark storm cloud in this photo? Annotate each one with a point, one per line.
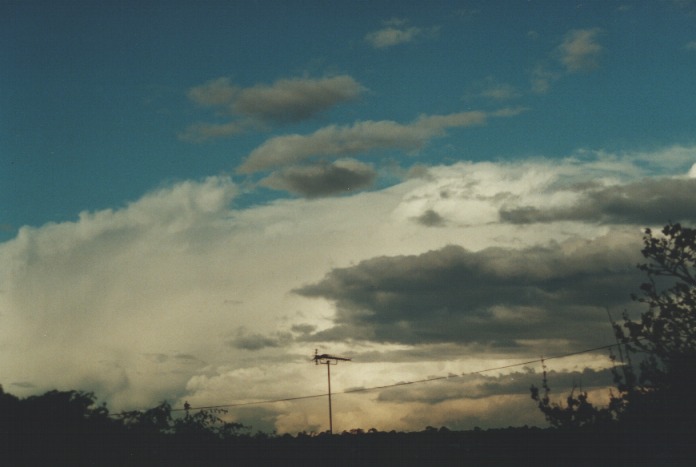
(647, 202)
(498, 297)
(321, 180)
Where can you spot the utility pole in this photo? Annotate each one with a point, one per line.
(328, 360)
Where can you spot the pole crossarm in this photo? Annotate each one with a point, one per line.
(328, 359)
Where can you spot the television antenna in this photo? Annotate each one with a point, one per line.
(328, 360)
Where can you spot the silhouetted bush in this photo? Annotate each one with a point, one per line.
(654, 408)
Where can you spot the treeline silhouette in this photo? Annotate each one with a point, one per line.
(69, 428)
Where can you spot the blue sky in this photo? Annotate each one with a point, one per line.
(95, 93)
(249, 162)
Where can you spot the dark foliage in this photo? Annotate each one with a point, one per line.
(69, 429)
(654, 404)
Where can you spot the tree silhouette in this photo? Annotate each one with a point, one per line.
(659, 398)
(578, 411)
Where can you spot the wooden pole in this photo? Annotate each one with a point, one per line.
(328, 374)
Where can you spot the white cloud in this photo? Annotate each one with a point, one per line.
(491, 88)
(500, 91)
(397, 31)
(692, 171)
(391, 36)
(580, 50)
(215, 93)
(179, 296)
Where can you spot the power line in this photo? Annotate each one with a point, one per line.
(402, 383)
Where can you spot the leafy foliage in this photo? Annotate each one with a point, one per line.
(70, 426)
(577, 413)
(666, 332)
(659, 398)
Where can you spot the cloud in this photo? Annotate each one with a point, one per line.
(219, 92)
(580, 50)
(255, 341)
(200, 132)
(645, 202)
(481, 386)
(291, 100)
(180, 295)
(285, 101)
(500, 91)
(361, 137)
(492, 89)
(431, 218)
(340, 177)
(690, 45)
(334, 140)
(542, 77)
(397, 31)
(498, 297)
(94, 299)
(692, 171)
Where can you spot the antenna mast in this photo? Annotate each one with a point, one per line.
(328, 360)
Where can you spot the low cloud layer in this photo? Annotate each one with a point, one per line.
(646, 201)
(495, 297)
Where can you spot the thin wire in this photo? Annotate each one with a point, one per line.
(402, 383)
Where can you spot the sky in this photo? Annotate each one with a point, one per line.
(194, 196)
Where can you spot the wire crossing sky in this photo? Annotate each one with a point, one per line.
(196, 195)
(394, 385)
